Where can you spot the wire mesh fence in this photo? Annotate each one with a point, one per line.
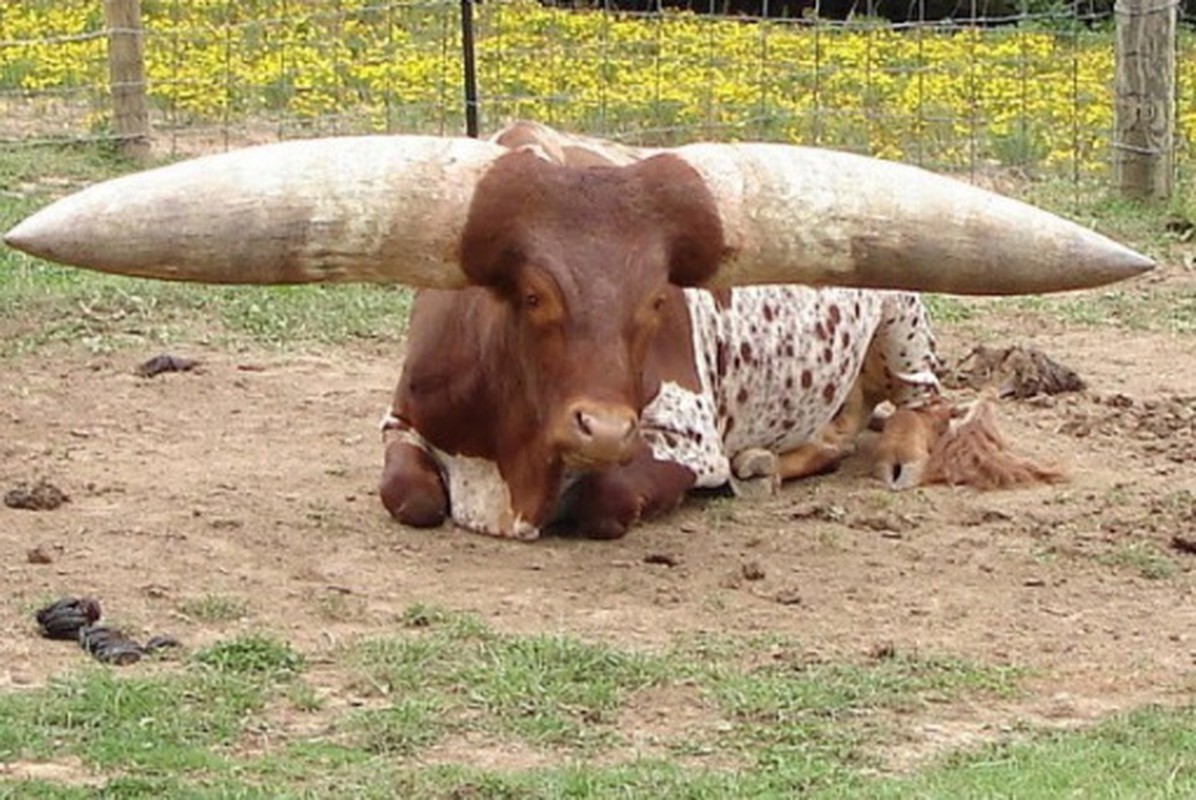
(1019, 88)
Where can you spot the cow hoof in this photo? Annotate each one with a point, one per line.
(900, 477)
(765, 486)
(754, 462)
(416, 512)
(605, 529)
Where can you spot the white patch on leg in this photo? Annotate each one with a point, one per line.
(480, 499)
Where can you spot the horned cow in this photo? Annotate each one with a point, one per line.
(579, 354)
(755, 382)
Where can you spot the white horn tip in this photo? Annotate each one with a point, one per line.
(42, 235)
(19, 237)
(1114, 263)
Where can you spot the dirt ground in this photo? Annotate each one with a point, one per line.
(254, 476)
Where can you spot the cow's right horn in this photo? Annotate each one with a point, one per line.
(370, 208)
(826, 218)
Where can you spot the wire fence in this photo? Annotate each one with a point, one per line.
(1020, 89)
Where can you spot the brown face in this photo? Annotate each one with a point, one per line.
(583, 260)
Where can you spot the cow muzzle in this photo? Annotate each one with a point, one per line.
(592, 435)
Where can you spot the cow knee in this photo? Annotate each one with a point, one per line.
(411, 487)
(602, 506)
(606, 504)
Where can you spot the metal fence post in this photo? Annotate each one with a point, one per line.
(470, 69)
(1144, 105)
(126, 71)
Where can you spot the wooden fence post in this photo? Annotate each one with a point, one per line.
(126, 73)
(1144, 105)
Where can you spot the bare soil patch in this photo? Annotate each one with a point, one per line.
(254, 477)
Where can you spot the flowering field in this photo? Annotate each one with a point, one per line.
(945, 97)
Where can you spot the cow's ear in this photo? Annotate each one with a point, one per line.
(803, 215)
(691, 261)
(374, 208)
(685, 212)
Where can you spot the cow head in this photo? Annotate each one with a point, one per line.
(583, 261)
(580, 240)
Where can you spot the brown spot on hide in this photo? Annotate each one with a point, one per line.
(820, 331)
(742, 397)
(723, 353)
(745, 351)
(846, 339)
(730, 425)
(828, 393)
(768, 313)
(834, 314)
(807, 379)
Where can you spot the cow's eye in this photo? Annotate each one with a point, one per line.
(531, 300)
(658, 303)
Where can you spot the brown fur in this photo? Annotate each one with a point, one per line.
(974, 453)
(902, 453)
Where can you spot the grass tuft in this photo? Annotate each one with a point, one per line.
(214, 608)
(252, 653)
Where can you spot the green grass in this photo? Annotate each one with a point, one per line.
(252, 654)
(547, 690)
(1148, 753)
(189, 728)
(1143, 558)
(772, 724)
(168, 723)
(214, 608)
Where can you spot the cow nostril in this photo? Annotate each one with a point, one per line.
(896, 472)
(584, 423)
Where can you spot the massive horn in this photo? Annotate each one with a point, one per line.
(371, 208)
(393, 208)
(824, 218)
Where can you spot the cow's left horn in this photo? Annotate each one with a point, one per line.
(370, 208)
(825, 218)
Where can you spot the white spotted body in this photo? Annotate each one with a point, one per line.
(776, 363)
